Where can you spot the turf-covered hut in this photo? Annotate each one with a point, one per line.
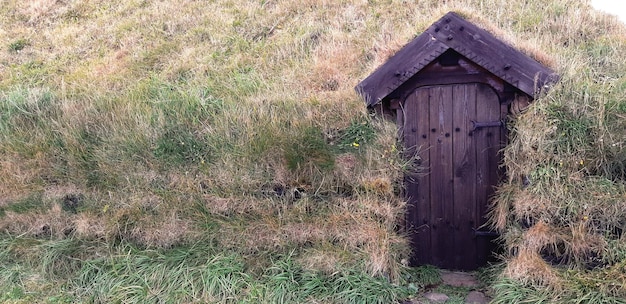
(451, 90)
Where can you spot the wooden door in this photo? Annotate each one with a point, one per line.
(456, 131)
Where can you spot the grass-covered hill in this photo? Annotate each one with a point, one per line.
(215, 151)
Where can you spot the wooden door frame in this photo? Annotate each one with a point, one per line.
(400, 114)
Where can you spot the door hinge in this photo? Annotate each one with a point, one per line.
(485, 233)
(487, 124)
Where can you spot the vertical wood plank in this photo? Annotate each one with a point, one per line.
(416, 131)
(405, 124)
(487, 161)
(504, 140)
(423, 135)
(464, 172)
(442, 239)
(449, 197)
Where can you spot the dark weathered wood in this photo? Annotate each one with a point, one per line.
(487, 162)
(491, 53)
(452, 32)
(417, 109)
(407, 129)
(447, 205)
(464, 173)
(399, 68)
(465, 72)
(423, 124)
(441, 185)
(450, 89)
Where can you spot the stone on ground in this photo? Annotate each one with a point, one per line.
(476, 297)
(436, 297)
(458, 279)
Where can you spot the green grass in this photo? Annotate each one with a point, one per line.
(508, 291)
(309, 148)
(424, 276)
(34, 202)
(18, 45)
(181, 275)
(178, 146)
(456, 294)
(156, 148)
(186, 274)
(358, 133)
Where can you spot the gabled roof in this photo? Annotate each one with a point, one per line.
(474, 43)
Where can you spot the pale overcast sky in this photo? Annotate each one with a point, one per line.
(615, 7)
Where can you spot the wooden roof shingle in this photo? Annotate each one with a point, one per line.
(474, 43)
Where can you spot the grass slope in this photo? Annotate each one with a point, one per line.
(214, 151)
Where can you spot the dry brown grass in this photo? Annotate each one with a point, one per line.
(53, 223)
(122, 74)
(541, 236)
(583, 244)
(165, 231)
(90, 226)
(529, 267)
(326, 258)
(527, 206)
(18, 178)
(363, 226)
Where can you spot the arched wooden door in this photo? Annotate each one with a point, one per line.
(457, 131)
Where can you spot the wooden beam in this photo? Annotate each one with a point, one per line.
(399, 68)
(479, 46)
(489, 52)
